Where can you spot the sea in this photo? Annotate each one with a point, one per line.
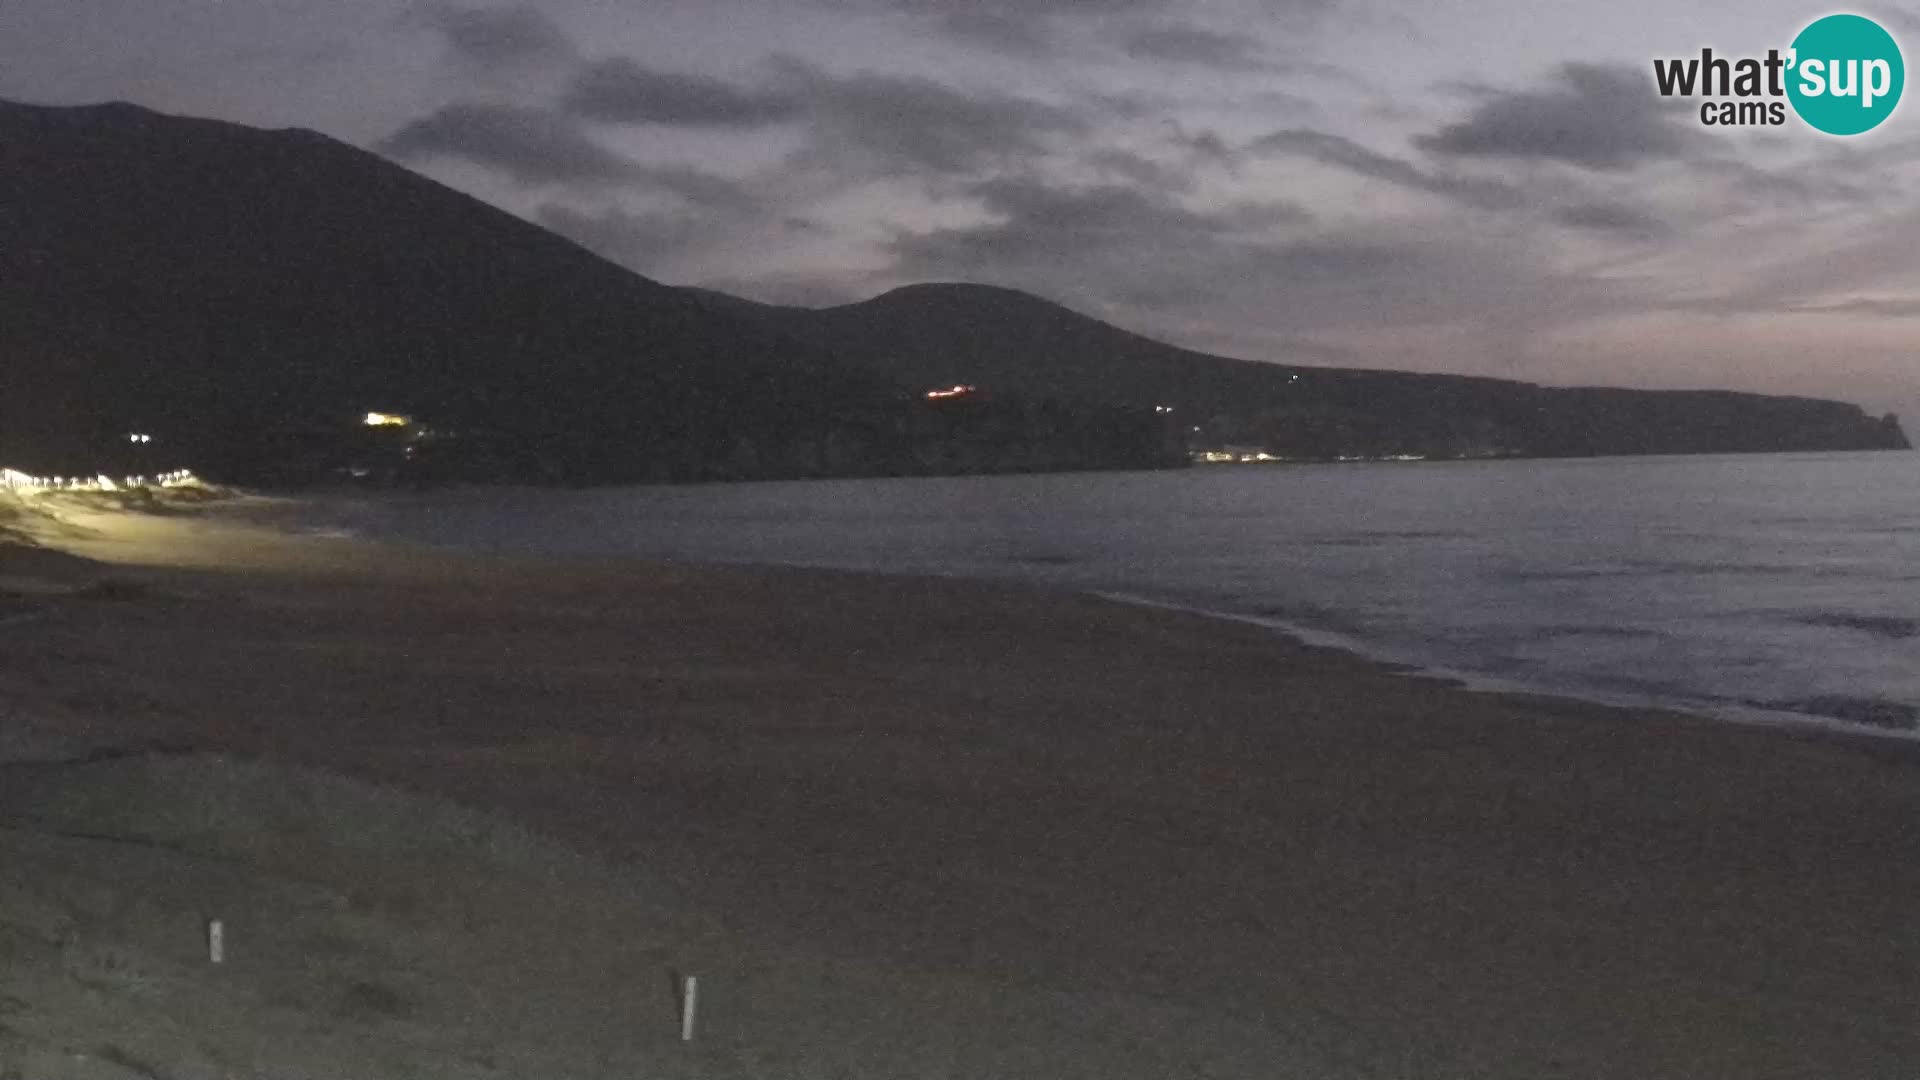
(1777, 589)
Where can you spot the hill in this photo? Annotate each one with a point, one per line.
(941, 334)
(247, 295)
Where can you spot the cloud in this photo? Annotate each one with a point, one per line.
(1267, 280)
(1871, 253)
(1078, 230)
(899, 123)
(1883, 308)
(1182, 44)
(1028, 8)
(1330, 149)
(538, 146)
(1112, 163)
(1093, 10)
(1900, 19)
(1592, 116)
(1204, 146)
(533, 146)
(1022, 28)
(490, 38)
(1046, 28)
(618, 90)
(1383, 280)
(1000, 32)
(1613, 217)
(1782, 187)
(882, 123)
(705, 190)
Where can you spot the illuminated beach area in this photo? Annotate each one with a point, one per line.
(21, 483)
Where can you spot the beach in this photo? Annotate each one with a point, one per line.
(897, 826)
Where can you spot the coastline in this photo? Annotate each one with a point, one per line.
(1880, 739)
(1809, 635)
(1054, 822)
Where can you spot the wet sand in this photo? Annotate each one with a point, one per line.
(937, 828)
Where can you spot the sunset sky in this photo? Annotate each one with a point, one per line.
(1487, 187)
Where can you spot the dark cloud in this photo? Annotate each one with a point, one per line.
(1097, 10)
(1036, 28)
(1592, 116)
(1137, 169)
(1021, 28)
(1205, 145)
(1376, 278)
(1041, 225)
(1613, 217)
(1182, 44)
(880, 124)
(618, 90)
(903, 124)
(1900, 19)
(1000, 32)
(498, 37)
(537, 146)
(1888, 309)
(708, 191)
(533, 146)
(1330, 149)
(1023, 9)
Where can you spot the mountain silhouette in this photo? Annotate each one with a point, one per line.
(940, 334)
(245, 295)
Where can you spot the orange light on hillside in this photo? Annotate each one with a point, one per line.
(954, 391)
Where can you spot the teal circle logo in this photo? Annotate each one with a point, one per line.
(1847, 74)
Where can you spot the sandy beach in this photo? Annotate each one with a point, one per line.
(473, 817)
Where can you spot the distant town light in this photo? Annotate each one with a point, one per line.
(380, 419)
(1234, 455)
(1163, 409)
(956, 390)
(140, 438)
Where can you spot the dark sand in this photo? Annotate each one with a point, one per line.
(932, 828)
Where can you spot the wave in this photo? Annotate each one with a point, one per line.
(1865, 711)
(1841, 714)
(1886, 626)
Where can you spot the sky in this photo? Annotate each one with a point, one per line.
(1476, 186)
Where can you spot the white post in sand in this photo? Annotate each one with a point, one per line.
(216, 941)
(689, 1002)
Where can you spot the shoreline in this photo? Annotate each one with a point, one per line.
(1041, 833)
(1882, 743)
(1385, 658)
(1847, 708)
(1789, 724)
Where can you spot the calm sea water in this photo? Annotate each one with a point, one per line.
(1775, 587)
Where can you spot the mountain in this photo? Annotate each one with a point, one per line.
(247, 295)
(942, 334)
